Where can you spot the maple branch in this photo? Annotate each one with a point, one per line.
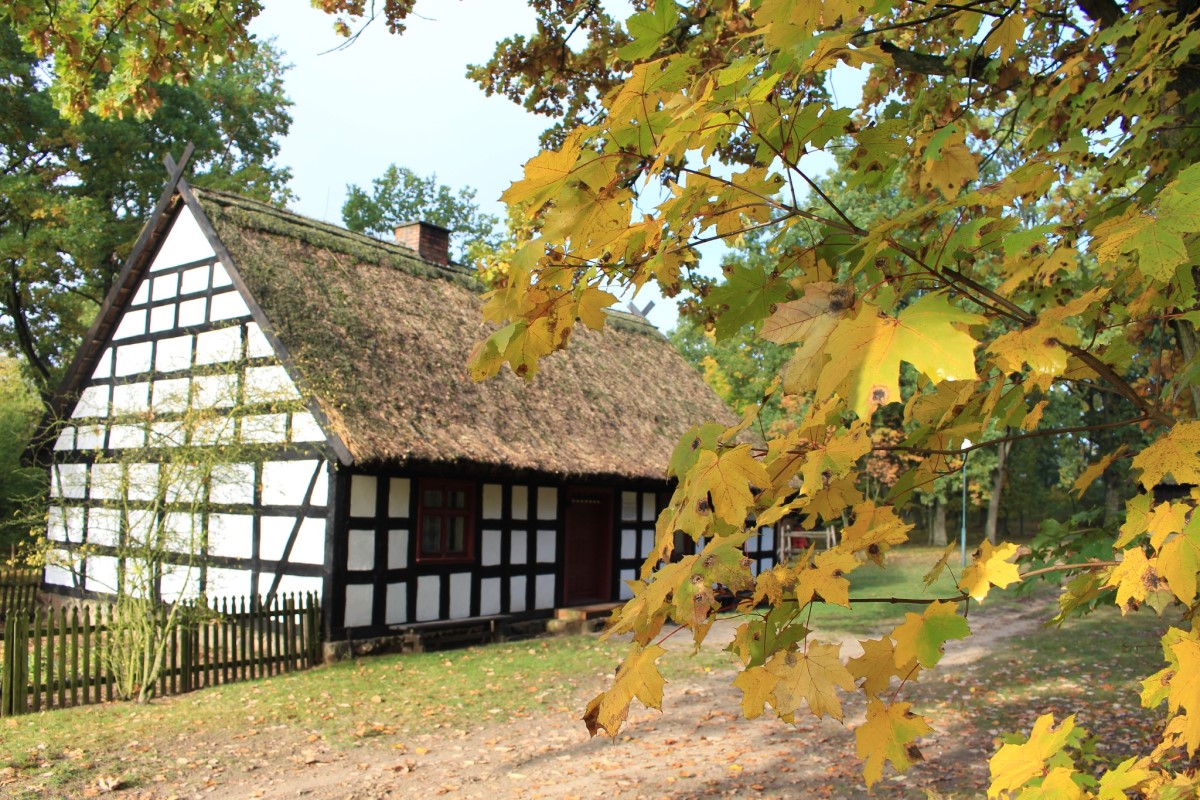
(1120, 384)
(1001, 440)
(926, 64)
(916, 601)
(1065, 567)
(1102, 12)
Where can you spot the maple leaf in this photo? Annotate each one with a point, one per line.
(1179, 561)
(823, 578)
(815, 314)
(746, 298)
(865, 351)
(813, 677)
(1184, 690)
(1040, 344)
(949, 164)
(545, 176)
(757, 684)
(990, 568)
(887, 735)
(922, 636)
(1176, 453)
(875, 529)
(1094, 471)
(732, 480)
(591, 304)
(1118, 781)
(1134, 578)
(877, 665)
(637, 677)
(1014, 765)
(935, 572)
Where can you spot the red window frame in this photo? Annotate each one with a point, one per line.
(446, 515)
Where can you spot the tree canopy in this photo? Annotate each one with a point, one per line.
(74, 195)
(1047, 153)
(400, 195)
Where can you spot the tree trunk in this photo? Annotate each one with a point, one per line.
(993, 511)
(939, 523)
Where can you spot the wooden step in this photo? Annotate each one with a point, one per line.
(593, 611)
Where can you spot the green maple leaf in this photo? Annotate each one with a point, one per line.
(745, 298)
(921, 636)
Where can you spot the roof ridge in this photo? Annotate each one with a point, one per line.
(292, 218)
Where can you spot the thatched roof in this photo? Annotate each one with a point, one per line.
(381, 338)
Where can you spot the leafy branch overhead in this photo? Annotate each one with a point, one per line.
(1046, 244)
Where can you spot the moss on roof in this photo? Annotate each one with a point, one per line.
(381, 337)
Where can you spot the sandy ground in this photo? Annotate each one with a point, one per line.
(699, 747)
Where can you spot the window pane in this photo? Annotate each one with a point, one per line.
(458, 498)
(432, 498)
(431, 536)
(457, 542)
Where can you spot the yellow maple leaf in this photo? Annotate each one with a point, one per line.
(1184, 691)
(1040, 344)
(1179, 562)
(1059, 784)
(814, 314)
(1005, 35)
(887, 735)
(637, 677)
(1176, 453)
(1094, 471)
(1014, 765)
(545, 176)
(922, 636)
(732, 480)
(812, 677)
(822, 577)
(591, 304)
(877, 665)
(1134, 577)
(875, 529)
(935, 571)
(954, 166)
(990, 568)
(1118, 781)
(756, 684)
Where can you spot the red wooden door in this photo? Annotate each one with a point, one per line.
(587, 552)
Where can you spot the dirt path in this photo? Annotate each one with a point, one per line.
(700, 747)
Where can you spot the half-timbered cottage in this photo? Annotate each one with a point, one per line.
(389, 483)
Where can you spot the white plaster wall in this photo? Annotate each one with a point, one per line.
(520, 502)
(429, 589)
(359, 598)
(460, 595)
(397, 555)
(360, 550)
(231, 535)
(396, 604)
(547, 502)
(543, 590)
(489, 549)
(545, 547)
(184, 243)
(362, 495)
(519, 548)
(516, 594)
(398, 498)
(493, 496)
(489, 597)
(222, 582)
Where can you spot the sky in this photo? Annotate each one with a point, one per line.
(406, 100)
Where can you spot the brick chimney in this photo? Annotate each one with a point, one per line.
(432, 242)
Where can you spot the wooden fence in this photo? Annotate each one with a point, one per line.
(57, 658)
(18, 590)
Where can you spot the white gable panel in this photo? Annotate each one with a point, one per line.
(165, 287)
(93, 402)
(269, 384)
(132, 323)
(172, 355)
(257, 344)
(220, 276)
(185, 243)
(104, 364)
(227, 305)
